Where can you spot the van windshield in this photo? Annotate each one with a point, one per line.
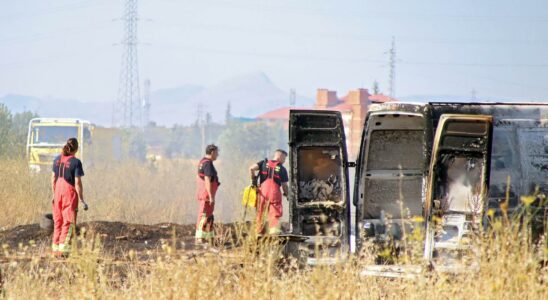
(56, 135)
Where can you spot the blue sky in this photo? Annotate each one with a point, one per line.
(65, 49)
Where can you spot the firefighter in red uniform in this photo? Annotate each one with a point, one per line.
(273, 176)
(66, 185)
(207, 183)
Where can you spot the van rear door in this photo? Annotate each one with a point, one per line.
(392, 175)
(456, 193)
(319, 198)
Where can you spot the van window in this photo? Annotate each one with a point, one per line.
(390, 149)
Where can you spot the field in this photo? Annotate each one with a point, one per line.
(132, 246)
(145, 193)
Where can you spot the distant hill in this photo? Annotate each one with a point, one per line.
(249, 95)
(19, 103)
(177, 94)
(96, 112)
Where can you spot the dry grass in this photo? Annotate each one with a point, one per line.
(126, 192)
(23, 197)
(510, 267)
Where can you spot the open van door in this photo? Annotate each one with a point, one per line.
(319, 198)
(392, 171)
(457, 186)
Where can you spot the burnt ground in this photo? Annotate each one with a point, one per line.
(115, 238)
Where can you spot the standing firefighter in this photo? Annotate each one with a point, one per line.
(273, 176)
(67, 188)
(207, 183)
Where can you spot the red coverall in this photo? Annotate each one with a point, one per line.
(204, 225)
(270, 199)
(65, 205)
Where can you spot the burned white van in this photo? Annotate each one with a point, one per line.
(416, 161)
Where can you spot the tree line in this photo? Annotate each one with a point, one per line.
(237, 138)
(13, 132)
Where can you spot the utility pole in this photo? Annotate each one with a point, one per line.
(473, 95)
(375, 88)
(207, 125)
(146, 103)
(228, 113)
(127, 109)
(200, 122)
(292, 97)
(392, 74)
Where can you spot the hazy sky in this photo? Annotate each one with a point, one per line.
(65, 49)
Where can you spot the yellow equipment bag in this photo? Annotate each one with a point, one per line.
(250, 196)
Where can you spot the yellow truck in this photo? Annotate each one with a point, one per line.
(46, 137)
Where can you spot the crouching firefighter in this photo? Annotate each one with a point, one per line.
(207, 185)
(66, 184)
(272, 176)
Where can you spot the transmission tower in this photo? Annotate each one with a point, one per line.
(127, 112)
(392, 74)
(146, 103)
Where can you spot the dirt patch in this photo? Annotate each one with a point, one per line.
(115, 237)
(23, 234)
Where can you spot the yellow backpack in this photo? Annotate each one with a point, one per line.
(250, 196)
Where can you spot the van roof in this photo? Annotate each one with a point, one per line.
(58, 120)
(489, 103)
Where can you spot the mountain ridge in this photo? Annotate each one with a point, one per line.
(249, 95)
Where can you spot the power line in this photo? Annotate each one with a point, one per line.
(462, 64)
(303, 56)
(53, 58)
(52, 10)
(358, 13)
(346, 35)
(63, 32)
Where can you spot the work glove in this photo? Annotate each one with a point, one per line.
(85, 205)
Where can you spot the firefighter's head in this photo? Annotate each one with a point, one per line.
(71, 147)
(280, 155)
(212, 151)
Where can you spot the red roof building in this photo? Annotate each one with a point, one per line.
(353, 108)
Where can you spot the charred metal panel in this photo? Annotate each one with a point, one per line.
(457, 185)
(533, 143)
(319, 198)
(518, 150)
(392, 167)
(395, 149)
